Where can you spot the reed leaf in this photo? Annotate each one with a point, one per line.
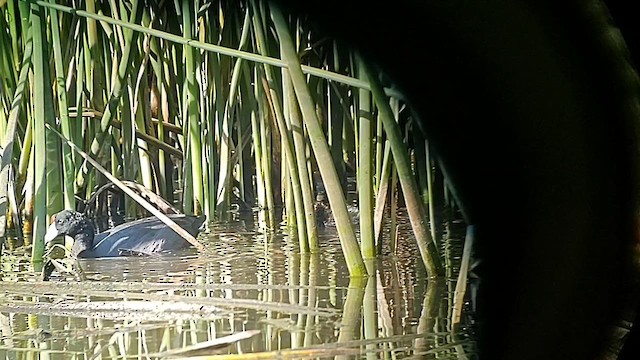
(343, 79)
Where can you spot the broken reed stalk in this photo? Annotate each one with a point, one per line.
(165, 219)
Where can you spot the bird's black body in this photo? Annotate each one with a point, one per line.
(144, 236)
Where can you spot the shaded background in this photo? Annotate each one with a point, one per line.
(531, 107)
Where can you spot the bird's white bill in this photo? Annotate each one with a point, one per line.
(52, 233)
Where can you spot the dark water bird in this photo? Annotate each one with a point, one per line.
(141, 237)
(323, 211)
(324, 216)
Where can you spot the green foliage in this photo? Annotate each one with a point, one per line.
(231, 99)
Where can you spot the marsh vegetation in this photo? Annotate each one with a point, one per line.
(237, 111)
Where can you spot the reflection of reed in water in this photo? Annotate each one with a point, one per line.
(176, 267)
(302, 304)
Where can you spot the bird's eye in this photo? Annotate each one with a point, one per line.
(60, 221)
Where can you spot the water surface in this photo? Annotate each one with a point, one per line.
(250, 282)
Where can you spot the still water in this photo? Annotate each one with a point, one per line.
(250, 295)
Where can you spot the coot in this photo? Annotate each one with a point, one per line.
(144, 236)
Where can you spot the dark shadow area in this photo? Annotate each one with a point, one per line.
(532, 117)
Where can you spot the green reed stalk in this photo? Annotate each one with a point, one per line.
(245, 169)
(10, 133)
(225, 185)
(265, 143)
(268, 77)
(97, 84)
(301, 162)
(164, 160)
(430, 184)
(12, 17)
(335, 125)
(187, 182)
(76, 130)
(321, 149)
(158, 105)
(210, 154)
(3, 118)
(55, 199)
(420, 165)
(290, 157)
(89, 129)
(63, 109)
(203, 103)
(256, 139)
(289, 204)
(343, 79)
(239, 158)
(214, 118)
(365, 171)
(40, 105)
(193, 115)
(25, 150)
(116, 93)
(27, 138)
(393, 223)
(96, 70)
(379, 140)
(29, 197)
(461, 284)
(128, 151)
(250, 118)
(143, 158)
(257, 155)
(354, 109)
(382, 195)
(415, 209)
(273, 108)
(8, 73)
(348, 132)
(244, 101)
(142, 107)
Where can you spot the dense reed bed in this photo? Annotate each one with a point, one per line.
(212, 106)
